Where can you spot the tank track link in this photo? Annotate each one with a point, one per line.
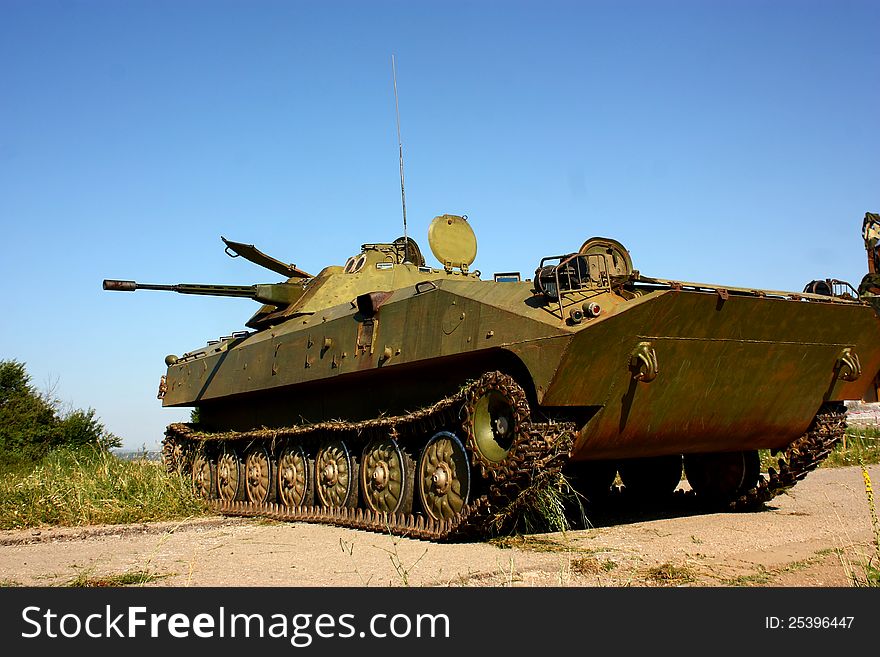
(537, 454)
(798, 459)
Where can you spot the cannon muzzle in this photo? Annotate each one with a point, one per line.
(120, 286)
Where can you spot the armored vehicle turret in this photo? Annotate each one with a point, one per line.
(388, 394)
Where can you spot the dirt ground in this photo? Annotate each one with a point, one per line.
(818, 535)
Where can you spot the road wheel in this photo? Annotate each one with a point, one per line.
(258, 470)
(228, 475)
(295, 477)
(387, 477)
(336, 475)
(722, 476)
(444, 476)
(203, 476)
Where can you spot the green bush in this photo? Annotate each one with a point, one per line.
(32, 423)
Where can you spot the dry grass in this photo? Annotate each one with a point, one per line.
(866, 570)
(87, 579)
(669, 574)
(590, 565)
(531, 543)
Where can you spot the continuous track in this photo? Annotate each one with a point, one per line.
(536, 455)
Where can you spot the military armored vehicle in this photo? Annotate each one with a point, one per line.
(391, 395)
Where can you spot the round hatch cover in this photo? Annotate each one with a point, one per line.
(452, 241)
(620, 262)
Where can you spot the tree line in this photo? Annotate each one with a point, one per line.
(33, 423)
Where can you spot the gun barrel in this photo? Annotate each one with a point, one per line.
(247, 291)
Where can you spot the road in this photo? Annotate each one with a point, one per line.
(817, 535)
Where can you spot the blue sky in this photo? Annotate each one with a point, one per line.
(729, 142)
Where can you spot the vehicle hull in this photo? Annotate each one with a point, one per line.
(734, 372)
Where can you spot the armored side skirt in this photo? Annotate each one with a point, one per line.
(692, 372)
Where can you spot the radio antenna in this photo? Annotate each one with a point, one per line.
(400, 152)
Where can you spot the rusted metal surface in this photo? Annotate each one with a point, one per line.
(747, 375)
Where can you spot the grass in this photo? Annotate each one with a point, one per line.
(668, 574)
(87, 486)
(130, 578)
(867, 572)
(542, 507)
(590, 565)
(762, 576)
(766, 575)
(860, 445)
(872, 567)
(402, 570)
(531, 543)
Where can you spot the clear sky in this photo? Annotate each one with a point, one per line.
(733, 142)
